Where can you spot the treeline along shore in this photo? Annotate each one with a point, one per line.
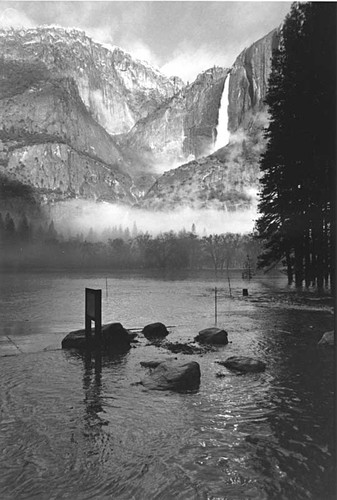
(25, 245)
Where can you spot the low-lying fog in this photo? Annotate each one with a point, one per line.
(77, 216)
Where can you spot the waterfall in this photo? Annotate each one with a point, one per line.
(223, 134)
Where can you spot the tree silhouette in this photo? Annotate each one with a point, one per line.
(9, 226)
(297, 200)
(24, 229)
(51, 232)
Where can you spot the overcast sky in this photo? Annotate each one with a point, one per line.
(180, 38)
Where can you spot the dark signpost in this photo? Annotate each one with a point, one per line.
(93, 312)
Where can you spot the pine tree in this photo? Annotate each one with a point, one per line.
(134, 232)
(51, 232)
(24, 229)
(9, 226)
(297, 185)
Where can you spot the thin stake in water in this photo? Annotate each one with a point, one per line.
(229, 284)
(216, 305)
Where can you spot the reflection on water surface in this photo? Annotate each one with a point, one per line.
(80, 427)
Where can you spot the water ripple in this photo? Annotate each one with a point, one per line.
(76, 427)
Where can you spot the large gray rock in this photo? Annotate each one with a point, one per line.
(155, 331)
(243, 364)
(115, 339)
(215, 336)
(173, 375)
(327, 339)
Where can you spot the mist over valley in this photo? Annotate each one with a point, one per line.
(93, 131)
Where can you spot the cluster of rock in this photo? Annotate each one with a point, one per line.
(167, 374)
(171, 373)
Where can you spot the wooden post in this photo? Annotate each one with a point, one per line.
(93, 312)
(229, 284)
(216, 305)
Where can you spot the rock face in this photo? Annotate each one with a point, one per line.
(155, 331)
(78, 119)
(173, 375)
(327, 339)
(249, 80)
(48, 140)
(116, 89)
(243, 364)
(228, 178)
(115, 339)
(61, 96)
(214, 336)
(224, 180)
(184, 126)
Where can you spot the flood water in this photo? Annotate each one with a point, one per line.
(80, 428)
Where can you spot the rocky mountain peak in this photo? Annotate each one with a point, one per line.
(211, 74)
(83, 119)
(116, 89)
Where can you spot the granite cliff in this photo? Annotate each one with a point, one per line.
(183, 127)
(78, 119)
(226, 179)
(116, 89)
(49, 140)
(249, 80)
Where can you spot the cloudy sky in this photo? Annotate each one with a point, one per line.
(181, 38)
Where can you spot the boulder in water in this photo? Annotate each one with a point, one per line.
(75, 340)
(243, 364)
(155, 331)
(114, 339)
(214, 336)
(327, 339)
(154, 362)
(173, 375)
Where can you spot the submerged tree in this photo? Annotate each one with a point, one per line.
(297, 201)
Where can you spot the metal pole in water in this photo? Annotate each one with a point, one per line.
(216, 305)
(106, 287)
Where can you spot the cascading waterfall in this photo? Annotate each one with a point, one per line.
(223, 134)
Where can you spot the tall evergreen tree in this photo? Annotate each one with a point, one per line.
(9, 226)
(51, 232)
(24, 229)
(297, 200)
